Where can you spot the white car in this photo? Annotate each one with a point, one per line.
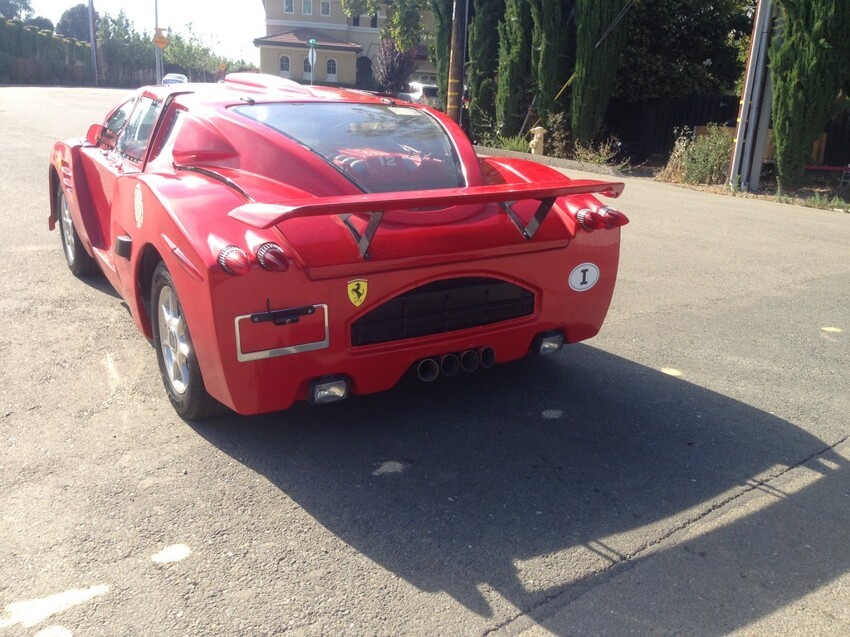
(420, 93)
(175, 78)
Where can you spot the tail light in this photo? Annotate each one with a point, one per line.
(271, 257)
(601, 219)
(234, 260)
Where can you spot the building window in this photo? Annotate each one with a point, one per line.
(307, 7)
(374, 21)
(355, 21)
(331, 70)
(289, 6)
(326, 8)
(308, 70)
(284, 66)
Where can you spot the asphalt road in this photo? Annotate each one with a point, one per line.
(686, 472)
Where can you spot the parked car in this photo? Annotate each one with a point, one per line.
(279, 242)
(420, 93)
(174, 78)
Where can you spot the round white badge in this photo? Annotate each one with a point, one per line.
(138, 205)
(583, 277)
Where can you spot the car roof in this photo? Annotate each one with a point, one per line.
(253, 88)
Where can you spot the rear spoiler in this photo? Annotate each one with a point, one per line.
(264, 215)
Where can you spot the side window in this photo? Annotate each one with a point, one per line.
(133, 142)
(116, 121)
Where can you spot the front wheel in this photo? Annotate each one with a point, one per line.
(78, 260)
(176, 353)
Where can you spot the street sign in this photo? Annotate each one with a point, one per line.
(311, 56)
(160, 40)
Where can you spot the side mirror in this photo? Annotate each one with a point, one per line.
(101, 136)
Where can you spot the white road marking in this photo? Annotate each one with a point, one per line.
(173, 553)
(389, 467)
(30, 612)
(552, 414)
(112, 373)
(671, 371)
(54, 631)
(832, 330)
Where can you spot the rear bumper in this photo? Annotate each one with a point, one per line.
(255, 368)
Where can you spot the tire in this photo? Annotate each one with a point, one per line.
(78, 260)
(175, 352)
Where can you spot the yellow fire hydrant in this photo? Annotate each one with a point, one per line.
(536, 143)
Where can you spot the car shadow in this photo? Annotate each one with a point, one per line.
(451, 485)
(99, 282)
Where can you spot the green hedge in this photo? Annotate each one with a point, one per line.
(29, 55)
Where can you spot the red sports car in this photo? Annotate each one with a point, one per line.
(281, 242)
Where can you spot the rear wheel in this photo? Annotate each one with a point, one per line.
(176, 353)
(78, 260)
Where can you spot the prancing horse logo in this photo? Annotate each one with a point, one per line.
(357, 291)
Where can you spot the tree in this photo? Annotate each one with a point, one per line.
(483, 63)
(41, 22)
(808, 66)
(392, 67)
(550, 43)
(514, 86)
(17, 9)
(190, 53)
(74, 23)
(599, 41)
(676, 48)
(404, 19)
(441, 43)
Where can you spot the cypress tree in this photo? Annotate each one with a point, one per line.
(442, 44)
(808, 65)
(483, 63)
(550, 43)
(514, 85)
(596, 66)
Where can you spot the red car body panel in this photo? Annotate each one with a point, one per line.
(211, 178)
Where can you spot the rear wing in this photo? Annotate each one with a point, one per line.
(264, 215)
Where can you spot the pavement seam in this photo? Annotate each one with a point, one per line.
(624, 562)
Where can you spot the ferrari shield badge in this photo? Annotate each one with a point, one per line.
(357, 291)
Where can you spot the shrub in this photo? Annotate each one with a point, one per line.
(516, 143)
(602, 153)
(558, 142)
(701, 160)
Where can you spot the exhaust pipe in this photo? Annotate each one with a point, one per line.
(428, 369)
(449, 365)
(469, 361)
(487, 357)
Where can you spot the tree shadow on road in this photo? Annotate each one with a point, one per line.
(454, 487)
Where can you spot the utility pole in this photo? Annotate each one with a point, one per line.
(455, 88)
(93, 41)
(157, 49)
(756, 102)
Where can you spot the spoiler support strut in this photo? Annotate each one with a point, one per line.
(365, 240)
(528, 230)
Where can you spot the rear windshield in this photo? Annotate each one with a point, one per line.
(379, 147)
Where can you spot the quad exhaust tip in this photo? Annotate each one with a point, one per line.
(429, 369)
(449, 365)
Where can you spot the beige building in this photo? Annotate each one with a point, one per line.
(345, 46)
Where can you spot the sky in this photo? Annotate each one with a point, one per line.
(229, 33)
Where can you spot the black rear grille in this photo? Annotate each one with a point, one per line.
(443, 306)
